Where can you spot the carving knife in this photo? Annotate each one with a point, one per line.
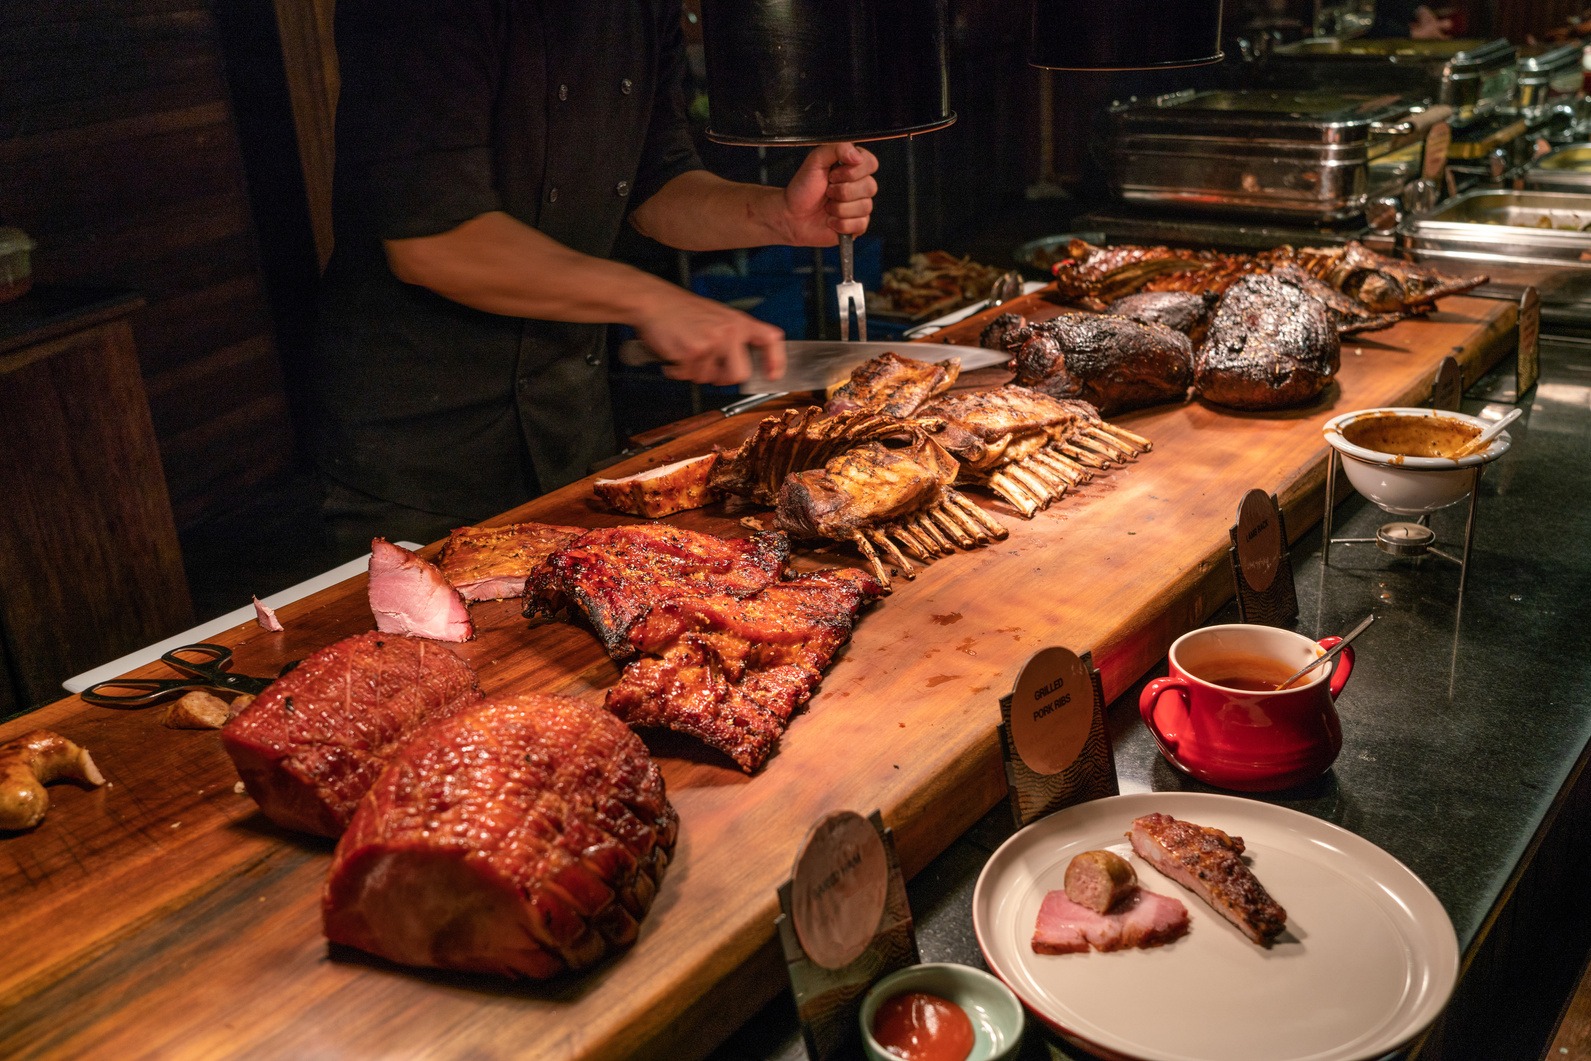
(817, 364)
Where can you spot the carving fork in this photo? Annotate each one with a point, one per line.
(850, 292)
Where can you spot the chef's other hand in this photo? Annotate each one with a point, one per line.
(831, 193)
(708, 342)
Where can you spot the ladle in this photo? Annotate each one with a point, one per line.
(1332, 654)
(1484, 439)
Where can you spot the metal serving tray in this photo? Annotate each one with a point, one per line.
(1568, 169)
(1312, 155)
(1473, 77)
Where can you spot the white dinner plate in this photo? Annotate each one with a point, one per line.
(1368, 959)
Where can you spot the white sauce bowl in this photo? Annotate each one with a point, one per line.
(1410, 486)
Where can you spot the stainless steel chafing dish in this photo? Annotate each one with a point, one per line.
(1568, 169)
(1313, 154)
(1473, 77)
(1549, 81)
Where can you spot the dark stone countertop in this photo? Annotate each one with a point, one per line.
(1460, 725)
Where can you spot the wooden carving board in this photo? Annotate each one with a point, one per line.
(163, 916)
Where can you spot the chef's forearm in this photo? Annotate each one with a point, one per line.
(698, 211)
(498, 264)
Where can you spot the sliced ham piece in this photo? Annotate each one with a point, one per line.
(661, 491)
(492, 563)
(265, 616)
(409, 596)
(313, 742)
(1143, 919)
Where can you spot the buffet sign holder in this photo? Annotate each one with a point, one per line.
(1052, 734)
(1447, 390)
(845, 923)
(1261, 568)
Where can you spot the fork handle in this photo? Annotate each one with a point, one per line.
(847, 258)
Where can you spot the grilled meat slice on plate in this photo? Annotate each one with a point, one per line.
(730, 671)
(616, 574)
(1271, 345)
(1143, 919)
(1207, 862)
(524, 837)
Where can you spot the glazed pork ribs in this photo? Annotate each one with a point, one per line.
(730, 671)
(616, 574)
(872, 494)
(1029, 447)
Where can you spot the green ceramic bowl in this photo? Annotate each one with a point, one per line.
(997, 1018)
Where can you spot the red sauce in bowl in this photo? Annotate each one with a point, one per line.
(916, 1026)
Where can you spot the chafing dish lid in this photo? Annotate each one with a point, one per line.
(1459, 55)
(1540, 62)
(1303, 115)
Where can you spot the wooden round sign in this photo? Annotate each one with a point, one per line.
(838, 888)
(1259, 540)
(1052, 710)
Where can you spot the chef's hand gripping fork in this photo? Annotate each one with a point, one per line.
(850, 292)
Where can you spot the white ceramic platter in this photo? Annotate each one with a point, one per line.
(1368, 959)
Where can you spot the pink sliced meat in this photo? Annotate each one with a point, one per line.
(311, 745)
(525, 836)
(266, 616)
(1144, 919)
(409, 596)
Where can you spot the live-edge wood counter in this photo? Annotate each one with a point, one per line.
(162, 916)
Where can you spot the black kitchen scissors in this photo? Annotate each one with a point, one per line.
(205, 666)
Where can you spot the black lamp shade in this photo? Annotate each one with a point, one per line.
(822, 71)
(1125, 34)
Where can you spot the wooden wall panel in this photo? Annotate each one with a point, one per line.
(119, 155)
(309, 57)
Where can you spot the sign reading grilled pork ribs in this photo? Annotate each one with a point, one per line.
(845, 923)
(1052, 731)
(1261, 567)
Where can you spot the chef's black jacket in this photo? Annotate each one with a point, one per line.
(563, 113)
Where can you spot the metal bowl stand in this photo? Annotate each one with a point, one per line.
(1400, 538)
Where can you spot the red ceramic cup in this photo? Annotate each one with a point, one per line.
(1235, 738)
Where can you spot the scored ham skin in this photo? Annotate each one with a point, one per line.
(661, 491)
(493, 563)
(731, 672)
(1143, 919)
(524, 837)
(1206, 861)
(408, 595)
(616, 574)
(314, 741)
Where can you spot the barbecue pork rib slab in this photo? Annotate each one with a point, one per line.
(893, 385)
(313, 742)
(729, 671)
(1207, 862)
(492, 563)
(1271, 345)
(1112, 363)
(616, 574)
(523, 837)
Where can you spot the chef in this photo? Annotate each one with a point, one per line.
(487, 153)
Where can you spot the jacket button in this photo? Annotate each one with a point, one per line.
(625, 86)
(563, 92)
(524, 383)
(552, 195)
(622, 188)
(593, 359)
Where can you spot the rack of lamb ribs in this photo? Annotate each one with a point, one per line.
(731, 671)
(1028, 447)
(872, 494)
(894, 385)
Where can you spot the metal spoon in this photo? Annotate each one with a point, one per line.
(1332, 654)
(1484, 439)
(1007, 287)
